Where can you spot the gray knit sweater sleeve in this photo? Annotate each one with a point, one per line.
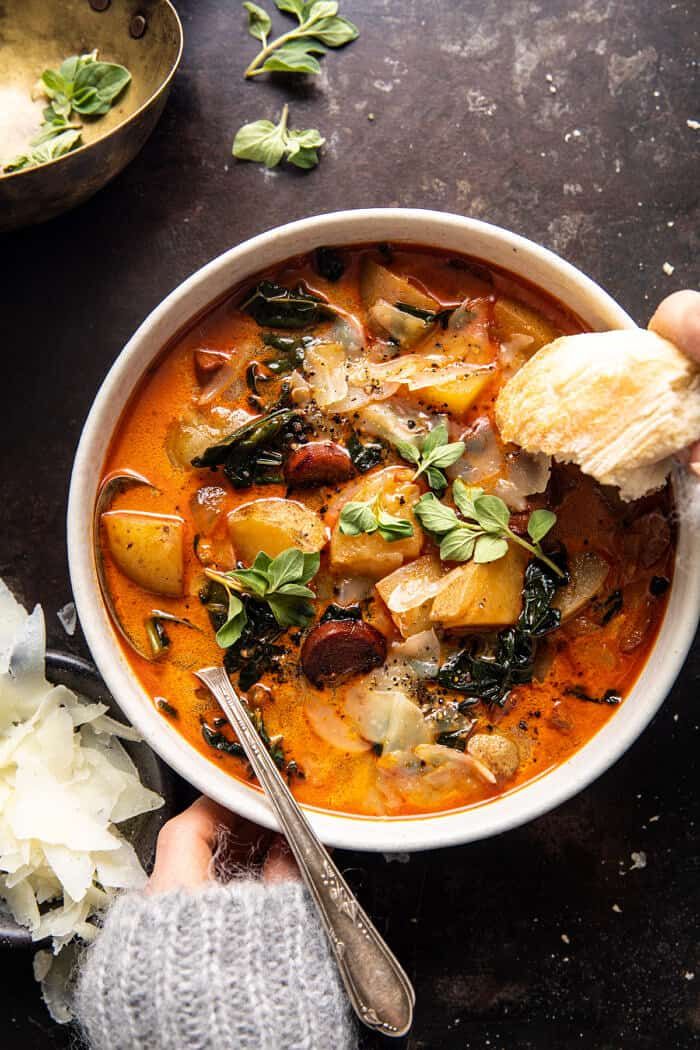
(243, 966)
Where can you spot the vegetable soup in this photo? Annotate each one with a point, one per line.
(418, 616)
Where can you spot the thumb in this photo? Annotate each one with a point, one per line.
(186, 845)
(677, 319)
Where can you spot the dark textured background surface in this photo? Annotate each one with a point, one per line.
(568, 122)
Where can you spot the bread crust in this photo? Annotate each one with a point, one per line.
(619, 404)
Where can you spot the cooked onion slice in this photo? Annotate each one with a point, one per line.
(421, 652)
(588, 572)
(387, 717)
(324, 367)
(332, 727)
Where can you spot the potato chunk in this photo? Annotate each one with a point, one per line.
(376, 282)
(514, 318)
(480, 596)
(368, 554)
(408, 594)
(148, 548)
(273, 525)
(457, 395)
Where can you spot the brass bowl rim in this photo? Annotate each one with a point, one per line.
(127, 120)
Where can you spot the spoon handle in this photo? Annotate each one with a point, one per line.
(379, 990)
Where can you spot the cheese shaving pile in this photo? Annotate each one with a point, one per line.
(65, 783)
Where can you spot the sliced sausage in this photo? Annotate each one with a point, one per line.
(318, 463)
(206, 362)
(340, 647)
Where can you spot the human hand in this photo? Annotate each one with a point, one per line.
(677, 319)
(190, 843)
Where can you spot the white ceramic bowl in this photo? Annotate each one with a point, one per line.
(453, 233)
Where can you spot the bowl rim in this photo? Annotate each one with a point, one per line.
(385, 834)
(163, 86)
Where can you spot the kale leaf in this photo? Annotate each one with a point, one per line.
(291, 351)
(490, 678)
(274, 306)
(341, 612)
(537, 616)
(329, 263)
(364, 457)
(252, 455)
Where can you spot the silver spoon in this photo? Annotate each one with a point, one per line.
(379, 990)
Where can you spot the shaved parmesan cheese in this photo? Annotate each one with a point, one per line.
(68, 618)
(66, 782)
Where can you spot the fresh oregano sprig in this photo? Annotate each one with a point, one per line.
(368, 516)
(433, 456)
(280, 582)
(83, 85)
(485, 532)
(269, 143)
(319, 27)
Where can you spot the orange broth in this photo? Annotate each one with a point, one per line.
(601, 648)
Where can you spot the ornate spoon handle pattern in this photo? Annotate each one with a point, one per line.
(379, 990)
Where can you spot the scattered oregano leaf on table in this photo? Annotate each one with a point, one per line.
(319, 27)
(270, 143)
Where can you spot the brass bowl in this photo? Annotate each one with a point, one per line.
(143, 35)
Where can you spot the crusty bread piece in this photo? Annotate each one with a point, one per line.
(619, 404)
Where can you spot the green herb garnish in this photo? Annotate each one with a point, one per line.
(82, 85)
(52, 142)
(255, 652)
(433, 456)
(368, 516)
(486, 533)
(279, 582)
(319, 27)
(269, 143)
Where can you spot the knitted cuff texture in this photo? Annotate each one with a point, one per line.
(242, 966)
